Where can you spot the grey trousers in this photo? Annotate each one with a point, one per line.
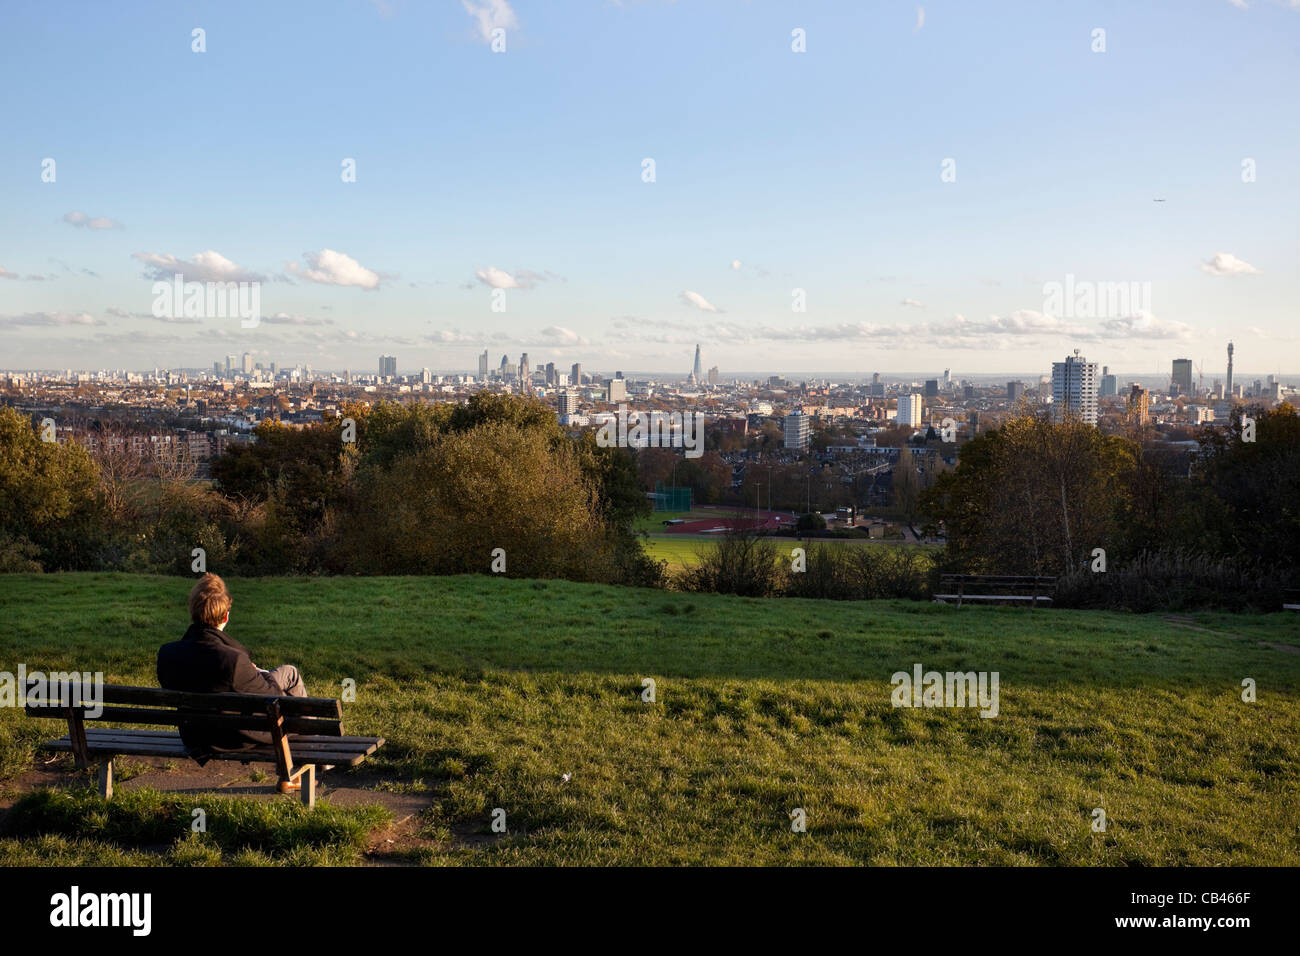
(287, 678)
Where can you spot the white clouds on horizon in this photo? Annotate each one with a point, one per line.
(48, 319)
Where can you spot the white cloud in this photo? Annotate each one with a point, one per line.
(497, 278)
(284, 318)
(334, 268)
(451, 337)
(50, 319)
(735, 264)
(559, 336)
(500, 279)
(1239, 4)
(489, 15)
(1144, 325)
(920, 18)
(207, 266)
(697, 300)
(1226, 264)
(912, 303)
(6, 274)
(82, 221)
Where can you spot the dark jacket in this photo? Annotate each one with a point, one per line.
(208, 661)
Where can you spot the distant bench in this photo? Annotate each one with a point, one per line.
(995, 587)
(1291, 599)
(305, 731)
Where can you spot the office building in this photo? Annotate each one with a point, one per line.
(1015, 391)
(616, 390)
(1180, 382)
(575, 373)
(1074, 389)
(931, 388)
(1109, 386)
(568, 404)
(483, 366)
(387, 365)
(248, 363)
(713, 375)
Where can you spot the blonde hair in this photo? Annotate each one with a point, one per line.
(209, 601)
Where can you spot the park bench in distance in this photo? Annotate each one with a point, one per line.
(1291, 599)
(995, 587)
(305, 731)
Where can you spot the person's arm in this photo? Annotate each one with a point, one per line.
(249, 679)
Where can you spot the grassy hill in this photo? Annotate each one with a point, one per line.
(490, 690)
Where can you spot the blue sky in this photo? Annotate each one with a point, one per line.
(774, 171)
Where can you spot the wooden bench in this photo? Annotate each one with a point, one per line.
(1291, 599)
(305, 732)
(995, 587)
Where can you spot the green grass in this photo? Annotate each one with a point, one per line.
(683, 551)
(489, 690)
(76, 826)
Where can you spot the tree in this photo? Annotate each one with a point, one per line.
(1035, 497)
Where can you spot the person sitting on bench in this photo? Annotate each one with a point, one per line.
(209, 661)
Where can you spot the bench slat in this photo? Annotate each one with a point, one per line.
(208, 721)
(109, 745)
(214, 703)
(171, 739)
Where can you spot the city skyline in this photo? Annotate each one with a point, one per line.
(810, 181)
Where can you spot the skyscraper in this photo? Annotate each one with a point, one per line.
(1074, 389)
(1109, 386)
(248, 363)
(697, 375)
(525, 374)
(796, 430)
(575, 374)
(909, 410)
(483, 366)
(1181, 379)
(1015, 391)
(387, 365)
(1227, 391)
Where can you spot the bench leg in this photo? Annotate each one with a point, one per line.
(106, 779)
(308, 782)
